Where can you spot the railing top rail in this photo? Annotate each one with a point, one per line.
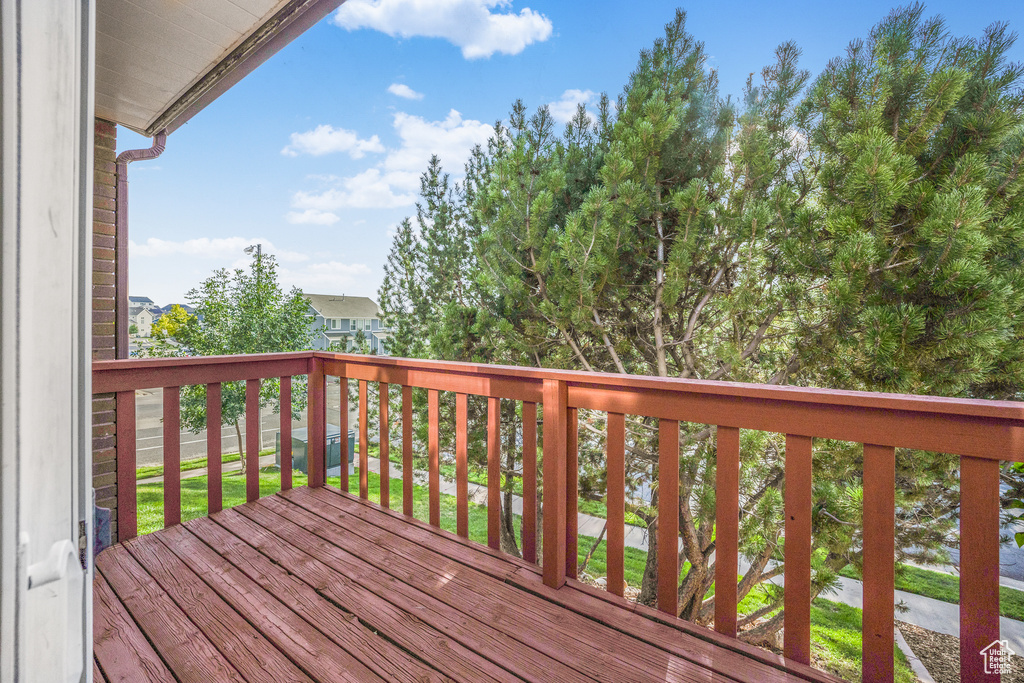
(1010, 413)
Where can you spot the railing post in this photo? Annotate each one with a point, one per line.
(253, 427)
(979, 568)
(556, 413)
(172, 456)
(127, 495)
(316, 418)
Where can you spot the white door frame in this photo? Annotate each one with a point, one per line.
(46, 171)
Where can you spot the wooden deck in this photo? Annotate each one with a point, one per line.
(317, 585)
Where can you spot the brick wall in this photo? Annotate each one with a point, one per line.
(104, 430)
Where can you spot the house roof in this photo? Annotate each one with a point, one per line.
(158, 63)
(342, 306)
(140, 300)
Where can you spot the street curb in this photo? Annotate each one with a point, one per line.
(915, 663)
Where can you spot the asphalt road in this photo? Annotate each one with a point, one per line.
(149, 428)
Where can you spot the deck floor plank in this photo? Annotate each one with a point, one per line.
(180, 643)
(317, 585)
(591, 648)
(473, 633)
(249, 651)
(708, 648)
(122, 651)
(333, 609)
(320, 655)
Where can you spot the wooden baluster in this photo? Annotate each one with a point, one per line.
(529, 529)
(879, 562)
(434, 475)
(797, 590)
(572, 491)
(286, 433)
(556, 398)
(668, 516)
(384, 454)
(343, 425)
(727, 520)
(252, 440)
(127, 494)
(172, 456)
(615, 446)
(494, 473)
(214, 450)
(407, 450)
(316, 412)
(461, 467)
(979, 565)
(364, 443)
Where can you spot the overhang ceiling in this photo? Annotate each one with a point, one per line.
(158, 62)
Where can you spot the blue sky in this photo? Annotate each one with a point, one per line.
(317, 154)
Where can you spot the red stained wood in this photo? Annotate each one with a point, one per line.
(120, 648)
(616, 454)
(188, 652)
(172, 456)
(386, 660)
(572, 491)
(407, 450)
(343, 424)
(979, 565)
(668, 516)
(316, 418)
(879, 561)
(252, 439)
(214, 486)
(123, 375)
(529, 527)
(291, 634)
(554, 539)
(364, 442)
(494, 473)
(797, 590)
(127, 519)
(286, 433)
(461, 467)
(385, 463)
(727, 520)
(433, 455)
(706, 648)
(251, 654)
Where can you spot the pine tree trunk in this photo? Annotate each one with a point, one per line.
(241, 448)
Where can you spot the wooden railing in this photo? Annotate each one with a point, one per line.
(982, 433)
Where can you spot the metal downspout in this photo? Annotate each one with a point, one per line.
(121, 223)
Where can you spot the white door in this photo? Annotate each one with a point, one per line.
(46, 124)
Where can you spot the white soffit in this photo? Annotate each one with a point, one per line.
(153, 57)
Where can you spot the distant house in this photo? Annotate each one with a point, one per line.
(143, 319)
(141, 302)
(337, 319)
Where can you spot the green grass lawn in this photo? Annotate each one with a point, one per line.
(835, 628)
(946, 587)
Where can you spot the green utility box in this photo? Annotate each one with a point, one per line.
(332, 453)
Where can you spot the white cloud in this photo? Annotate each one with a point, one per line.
(326, 139)
(220, 248)
(332, 276)
(311, 217)
(368, 190)
(468, 24)
(564, 108)
(395, 182)
(402, 90)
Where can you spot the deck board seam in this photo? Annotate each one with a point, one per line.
(592, 660)
(710, 639)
